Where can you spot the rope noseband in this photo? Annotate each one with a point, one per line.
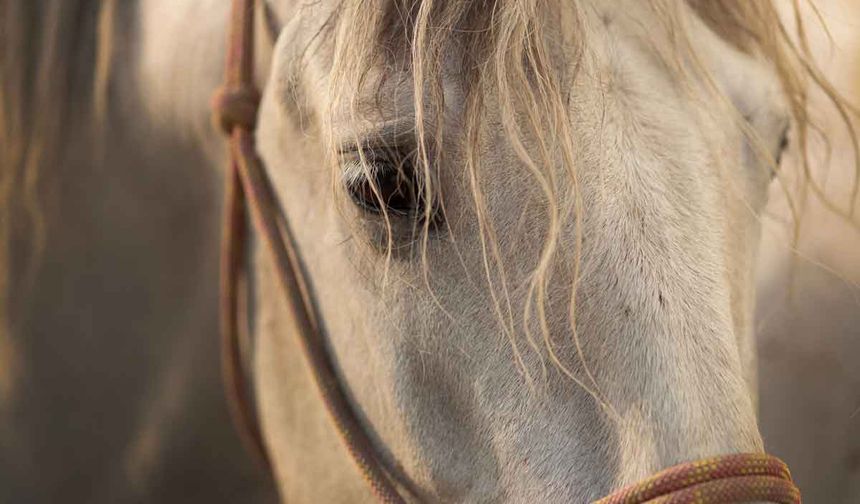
(744, 477)
(735, 478)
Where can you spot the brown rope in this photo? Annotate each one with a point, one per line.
(235, 109)
(740, 477)
(727, 479)
(232, 113)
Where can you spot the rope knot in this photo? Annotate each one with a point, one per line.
(232, 107)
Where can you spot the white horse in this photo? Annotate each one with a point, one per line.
(531, 227)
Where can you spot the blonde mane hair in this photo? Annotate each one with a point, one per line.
(505, 49)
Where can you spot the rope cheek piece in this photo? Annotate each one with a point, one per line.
(235, 107)
(736, 478)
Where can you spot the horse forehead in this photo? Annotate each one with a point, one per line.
(301, 42)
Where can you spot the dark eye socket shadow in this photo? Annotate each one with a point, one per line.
(394, 136)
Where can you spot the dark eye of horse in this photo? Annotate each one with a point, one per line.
(783, 146)
(391, 186)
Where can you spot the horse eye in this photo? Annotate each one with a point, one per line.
(783, 146)
(388, 184)
(780, 151)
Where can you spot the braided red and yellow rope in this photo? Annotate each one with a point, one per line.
(738, 478)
